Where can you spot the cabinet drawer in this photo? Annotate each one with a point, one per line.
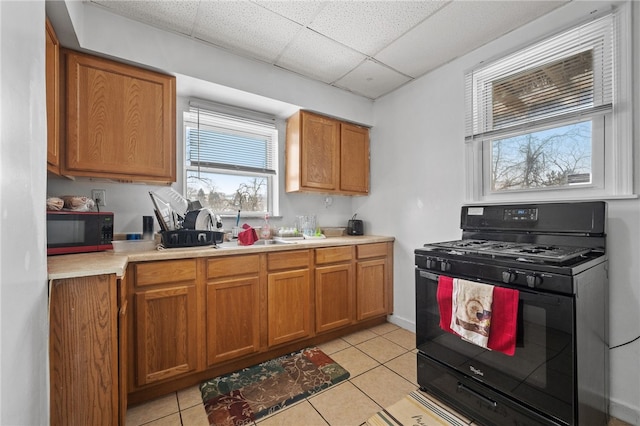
(333, 254)
(233, 266)
(288, 260)
(372, 250)
(169, 271)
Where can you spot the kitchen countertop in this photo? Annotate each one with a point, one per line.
(108, 262)
(86, 264)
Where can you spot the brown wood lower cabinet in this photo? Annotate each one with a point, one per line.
(233, 307)
(335, 288)
(166, 333)
(288, 296)
(83, 351)
(166, 320)
(197, 318)
(372, 278)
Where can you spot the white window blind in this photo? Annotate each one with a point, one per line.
(229, 138)
(564, 77)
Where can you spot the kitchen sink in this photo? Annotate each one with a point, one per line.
(234, 244)
(273, 242)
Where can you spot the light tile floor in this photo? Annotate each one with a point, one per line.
(384, 354)
(382, 366)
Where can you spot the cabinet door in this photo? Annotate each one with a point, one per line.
(334, 296)
(371, 288)
(53, 98)
(288, 306)
(120, 121)
(166, 341)
(233, 307)
(83, 351)
(233, 319)
(319, 150)
(354, 158)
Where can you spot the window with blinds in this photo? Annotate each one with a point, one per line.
(230, 158)
(537, 119)
(564, 77)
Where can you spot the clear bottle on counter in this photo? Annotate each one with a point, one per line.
(265, 231)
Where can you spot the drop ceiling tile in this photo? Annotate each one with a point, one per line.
(454, 31)
(372, 80)
(318, 57)
(370, 26)
(174, 15)
(245, 28)
(301, 12)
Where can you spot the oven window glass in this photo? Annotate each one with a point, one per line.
(541, 370)
(66, 232)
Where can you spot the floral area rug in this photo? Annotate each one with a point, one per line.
(246, 395)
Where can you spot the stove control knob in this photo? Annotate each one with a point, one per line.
(432, 264)
(445, 266)
(534, 281)
(508, 276)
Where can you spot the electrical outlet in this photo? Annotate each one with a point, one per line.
(99, 196)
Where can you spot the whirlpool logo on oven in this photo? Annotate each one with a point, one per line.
(476, 371)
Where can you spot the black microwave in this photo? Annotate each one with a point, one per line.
(78, 232)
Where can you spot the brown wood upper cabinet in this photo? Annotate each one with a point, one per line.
(121, 121)
(326, 155)
(52, 61)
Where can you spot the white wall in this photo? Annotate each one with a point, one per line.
(23, 271)
(418, 187)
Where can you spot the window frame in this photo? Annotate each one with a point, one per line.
(612, 165)
(271, 176)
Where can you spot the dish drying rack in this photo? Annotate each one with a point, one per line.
(171, 209)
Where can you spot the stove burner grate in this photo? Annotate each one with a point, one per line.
(521, 251)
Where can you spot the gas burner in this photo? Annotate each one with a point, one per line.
(521, 251)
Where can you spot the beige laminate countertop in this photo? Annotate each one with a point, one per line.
(108, 262)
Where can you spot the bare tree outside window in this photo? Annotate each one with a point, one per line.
(250, 195)
(228, 193)
(549, 158)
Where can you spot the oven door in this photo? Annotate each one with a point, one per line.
(541, 372)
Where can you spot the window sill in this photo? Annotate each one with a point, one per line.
(553, 200)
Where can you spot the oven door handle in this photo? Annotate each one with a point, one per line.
(429, 275)
(491, 403)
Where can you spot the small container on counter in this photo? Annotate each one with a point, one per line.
(147, 227)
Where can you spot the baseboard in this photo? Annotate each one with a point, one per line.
(402, 322)
(625, 413)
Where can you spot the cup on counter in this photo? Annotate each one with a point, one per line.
(235, 231)
(147, 227)
(307, 225)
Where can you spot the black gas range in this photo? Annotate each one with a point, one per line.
(554, 255)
